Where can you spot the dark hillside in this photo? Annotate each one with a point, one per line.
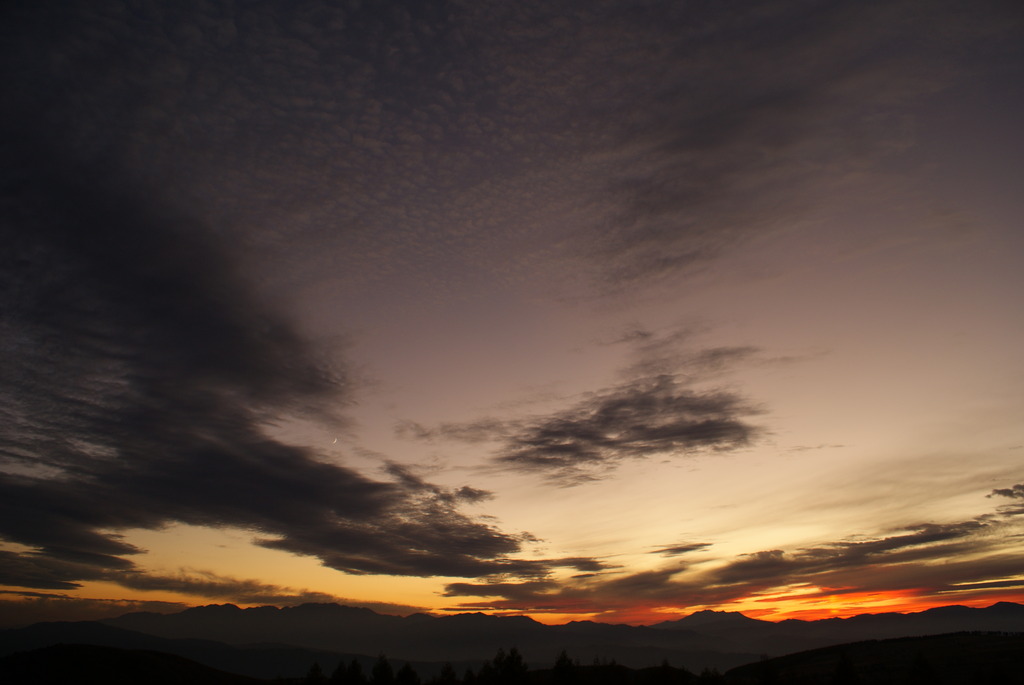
(92, 665)
(952, 659)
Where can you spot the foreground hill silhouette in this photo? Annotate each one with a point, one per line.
(94, 665)
(952, 659)
(254, 661)
(956, 659)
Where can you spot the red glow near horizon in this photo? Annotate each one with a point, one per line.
(806, 608)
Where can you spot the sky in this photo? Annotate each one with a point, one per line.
(605, 310)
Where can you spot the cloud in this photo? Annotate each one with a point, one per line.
(524, 591)
(685, 548)
(634, 420)
(18, 608)
(1013, 492)
(583, 442)
(924, 542)
(140, 376)
(741, 136)
(244, 591)
(216, 586)
(26, 608)
(481, 430)
(965, 559)
(657, 410)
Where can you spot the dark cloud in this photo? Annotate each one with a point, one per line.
(526, 590)
(26, 608)
(141, 375)
(666, 354)
(655, 411)
(931, 559)
(215, 586)
(470, 494)
(757, 108)
(654, 353)
(1014, 492)
(648, 416)
(685, 548)
(151, 149)
(244, 591)
(481, 430)
(708, 121)
(583, 442)
(922, 543)
(46, 572)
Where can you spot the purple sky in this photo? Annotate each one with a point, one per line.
(604, 309)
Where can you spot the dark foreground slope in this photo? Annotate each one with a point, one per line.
(94, 665)
(266, 642)
(952, 659)
(265, 661)
(708, 639)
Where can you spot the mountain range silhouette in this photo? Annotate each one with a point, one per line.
(269, 641)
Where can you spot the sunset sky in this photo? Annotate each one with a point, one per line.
(604, 309)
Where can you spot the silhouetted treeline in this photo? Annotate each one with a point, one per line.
(955, 659)
(510, 668)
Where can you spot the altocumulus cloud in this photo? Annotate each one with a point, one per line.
(584, 441)
(140, 375)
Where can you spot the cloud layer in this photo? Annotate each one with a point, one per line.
(662, 408)
(928, 560)
(647, 417)
(158, 157)
(140, 376)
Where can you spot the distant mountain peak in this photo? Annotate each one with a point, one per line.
(713, 612)
(218, 608)
(708, 617)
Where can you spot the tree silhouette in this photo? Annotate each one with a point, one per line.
(845, 673)
(338, 674)
(354, 674)
(382, 674)
(407, 675)
(565, 671)
(488, 675)
(768, 673)
(315, 675)
(447, 676)
(921, 672)
(510, 668)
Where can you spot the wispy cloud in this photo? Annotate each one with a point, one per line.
(242, 591)
(588, 439)
(930, 559)
(740, 134)
(1014, 492)
(19, 609)
(683, 548)
(141, 375)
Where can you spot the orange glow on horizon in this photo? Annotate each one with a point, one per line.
(810, 607)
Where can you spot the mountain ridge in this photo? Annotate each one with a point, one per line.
(232, 638)
(712, 637)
